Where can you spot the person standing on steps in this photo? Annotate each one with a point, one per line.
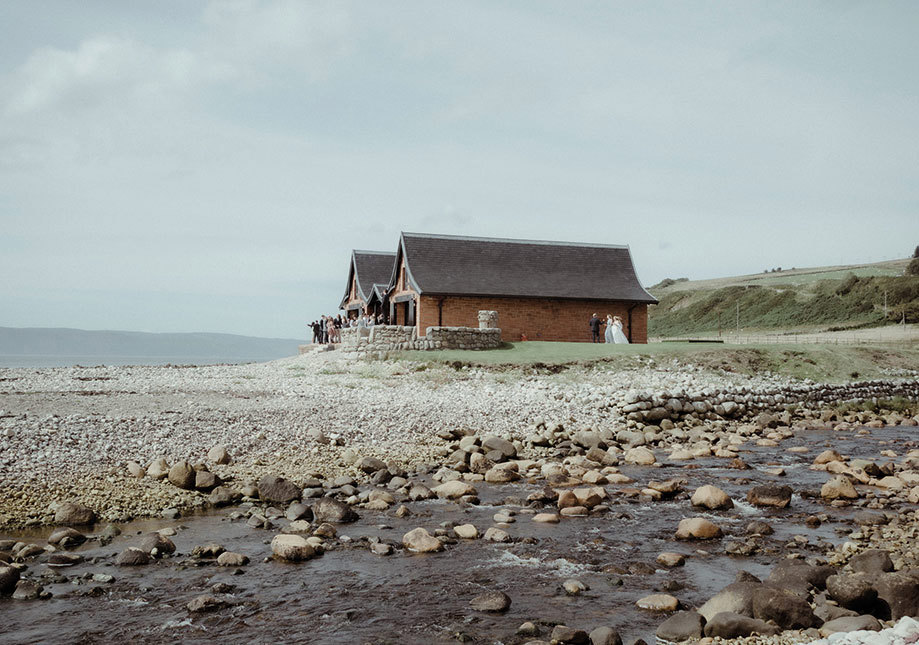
(595, 323)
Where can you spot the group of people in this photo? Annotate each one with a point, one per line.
(328, 328)
(613, 333)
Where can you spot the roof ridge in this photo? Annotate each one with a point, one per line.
(365, 252)
(470, 238)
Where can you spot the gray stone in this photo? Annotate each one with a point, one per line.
(157, 544)
(206, 481)
(133, 557)
(370, 465)
(562, 634)
(850, 624)
(232, 559)
(730, 625)
(205, 603)
(219, 455)
(9, 576)
(182, 475)
(770, 495)
(855, 592)
(73, 514)
(272, 488)
(328, 509)
(293, 548)
(493, 601)
(27, 590)
(604, 636)
(682, 626)
(66, 537)
(785, 608)
(223, 496)
(871, 561)
(299, 511)
(505, 447)
(736, 598)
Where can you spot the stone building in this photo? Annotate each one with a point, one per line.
(541, 290)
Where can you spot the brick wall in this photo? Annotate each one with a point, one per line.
(538, 318)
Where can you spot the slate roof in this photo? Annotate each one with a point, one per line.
(458, 265)
(371, 268)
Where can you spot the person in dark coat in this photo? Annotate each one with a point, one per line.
(595, 323)
(316, 334)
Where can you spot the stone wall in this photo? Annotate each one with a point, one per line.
(388, 338)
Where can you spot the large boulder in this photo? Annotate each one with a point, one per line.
(293, 548)
(658, 602)
(871, 561)
(454, 489)
(604, 636)
(73, 514)
(157, 544)
(711, 497)
(682, 626)
(847, 624)
(839, 487)
(770, 495)
(133, 557)
(328, 509)
(370, 465)
(272, 488)
(182, 475)
(736, 598)
(505, 447)
(800, 577)
(730, 625)
(9, 576)
(855, 592)
(223, 496)
(420, 541)
(219, 455)
(785, 608)
(641, 456)
(898, 595)
(66, 537)
(697, 528)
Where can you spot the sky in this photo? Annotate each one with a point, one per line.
(209, 166)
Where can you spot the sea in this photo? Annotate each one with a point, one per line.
(44, 360)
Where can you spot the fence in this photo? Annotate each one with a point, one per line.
(890, 334)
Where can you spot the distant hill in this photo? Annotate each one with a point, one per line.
(49, 342)
(820, 298)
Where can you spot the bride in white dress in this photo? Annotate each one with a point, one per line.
(608, 335)
(618, 337)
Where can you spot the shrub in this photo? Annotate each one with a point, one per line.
(913, 267)
(850, 281)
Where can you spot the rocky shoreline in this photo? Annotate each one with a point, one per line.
(321, 438)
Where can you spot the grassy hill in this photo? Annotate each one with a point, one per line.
(823, 298)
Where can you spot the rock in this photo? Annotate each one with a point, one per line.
(658, 602)
(770, 495)
(711, 497)
(870, 518)
(546, 518)
(697, 528)
(210, 550)
(299, 511)
(27, 590)
(850, 624)
(277, 489)
(136, 470)
(729, 625)
(784, 608)
(505, 447)
(466, 531)
(420, 541)
(205, 480)
(758, 527)
(133, 557)
(370, 465)
(898, 595)
(498, 475)
(736, 598)
(671, 559)
(219, 455)
(494, 534)
(9, 576)
(419, 492)
(73, 514)
(683, 625)
(157, 544)
(66, 537)
(182, 475)
(328, 509)
(232, 559)
(855, 592)
(158, 469)
(827, 456)
(528, 629)
(381, 548)
(604, 636)
(564, 635)
(574, 587)
(64, 559)
(839, 487)
(223, 496)
(454, 489)
(799, 576)
(871, 561)
(493, 601)
(205, 603)
(641, 456)
(293, 548)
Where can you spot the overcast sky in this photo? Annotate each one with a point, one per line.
(208, 166)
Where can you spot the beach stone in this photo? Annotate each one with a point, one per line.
(671, 559)
(370, 465)
(493, 443)
(209, 550)
(298, 511)
(492, 601)
(839, 487)
(546, 518)
(564, 635)
(683, 625)
(272, 488)
(418, 540)
(871, 561)
(66, 537)
(658, 602)
(157, 542)
(223, 496)
(758, 527)
(205, 603)
(604, 636)
(73, 514)
(133, 557)
(454, 489)
(870, 518)
(136, 470)
(528, 629)
(900, 592)
(64, 559)
(327, 509)
(640, 456)
(850, 624)
(381, 548)
(27, 590)
(770, 495)
(697, 528)
(730, 625)
(182, 475)
(785, 608)
(219, 455)
(158, 469)
(736, 598)
(574, 587)
(827, 456)
(205, 480)
(9, 576)
(855, 592)
(799, 576)
(419, 492)
(293, 548)
(232, 559)
(712, 498)
(466, 531)
(498, 475)
(494, 534)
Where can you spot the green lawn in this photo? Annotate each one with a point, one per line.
(833, 363)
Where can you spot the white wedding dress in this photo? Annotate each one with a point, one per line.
(618, 337)
(608, 335)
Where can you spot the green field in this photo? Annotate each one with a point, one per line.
(829, 363)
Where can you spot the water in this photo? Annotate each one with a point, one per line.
(42, 360)
(349, 595)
